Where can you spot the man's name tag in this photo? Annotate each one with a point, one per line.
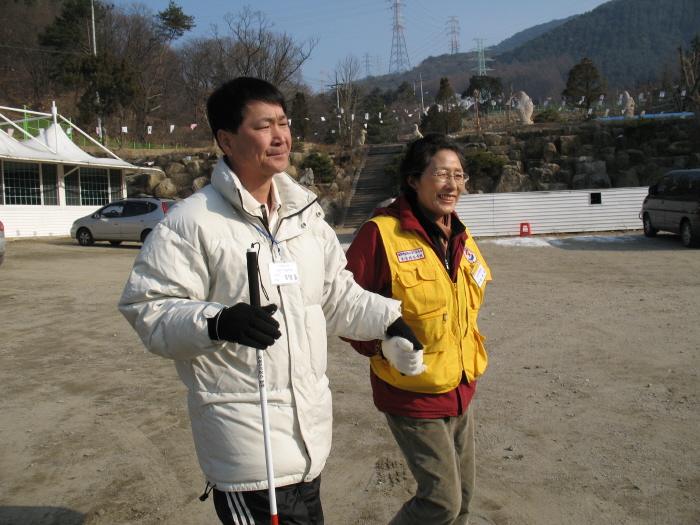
(479, 275)
(284, 273)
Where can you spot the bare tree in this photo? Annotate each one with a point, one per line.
(348, 95)
(252, 48)
(690, 71)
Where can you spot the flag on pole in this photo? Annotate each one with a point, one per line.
(149, 130)
(124, 129)
(172, 127)
(192, 126)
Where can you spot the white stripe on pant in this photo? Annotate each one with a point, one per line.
(241, 515)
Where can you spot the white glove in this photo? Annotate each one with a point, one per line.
(403, 357)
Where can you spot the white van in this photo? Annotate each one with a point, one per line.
(673, 205)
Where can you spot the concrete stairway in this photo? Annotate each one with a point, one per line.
(370, 186)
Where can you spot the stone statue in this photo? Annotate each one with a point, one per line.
(416, 132)
(363, 135)
(627, 106)
(525, 108)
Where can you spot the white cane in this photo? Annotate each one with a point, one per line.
(254, 287)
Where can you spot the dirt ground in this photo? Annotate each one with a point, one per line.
(589, 411)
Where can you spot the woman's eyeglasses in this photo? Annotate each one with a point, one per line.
(443, 175)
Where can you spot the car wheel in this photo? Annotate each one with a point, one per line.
(85, 238)
(115, 243)
(649, 230)
(144, 234)
(687, 236)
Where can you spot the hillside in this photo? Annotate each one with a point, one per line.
(629, 40)
(527, 35)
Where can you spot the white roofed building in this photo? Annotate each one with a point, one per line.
(47, 181)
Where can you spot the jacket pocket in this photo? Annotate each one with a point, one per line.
(423, 303)
(315, 326)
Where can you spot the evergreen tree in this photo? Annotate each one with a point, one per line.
(445, 115)
(584, 85)
(487, 87)
(301, 120)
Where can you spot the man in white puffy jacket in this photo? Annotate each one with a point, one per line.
(187, 297)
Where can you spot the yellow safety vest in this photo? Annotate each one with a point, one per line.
(441, 313)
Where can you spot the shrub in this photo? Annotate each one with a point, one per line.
(548, 115)
(483, 164)
(324, 171)
(392, 173)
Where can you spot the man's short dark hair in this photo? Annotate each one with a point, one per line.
(227, 103)
(418, 157)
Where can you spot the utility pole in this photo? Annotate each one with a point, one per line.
(454, 34)
(94, 52)
(399, 55)
(422, 107)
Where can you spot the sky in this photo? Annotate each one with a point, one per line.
(364, 28)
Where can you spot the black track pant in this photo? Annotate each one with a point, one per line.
(298, 504)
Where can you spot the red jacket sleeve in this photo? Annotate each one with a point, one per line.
(367, 262)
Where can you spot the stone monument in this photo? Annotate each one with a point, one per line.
(627, 106)
(525, 108)
(363, 135)
(416, 132)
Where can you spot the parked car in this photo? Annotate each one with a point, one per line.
(3, 242)
(673, 205)
(124, 220)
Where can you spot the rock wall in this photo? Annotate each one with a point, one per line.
(185, 174)
(591, 155)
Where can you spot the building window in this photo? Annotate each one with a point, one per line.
(115, 185)
(86, 186)
(22, 184)
(49, 184)
(72, 185)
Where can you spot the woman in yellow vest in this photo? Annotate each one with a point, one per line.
(417, 250)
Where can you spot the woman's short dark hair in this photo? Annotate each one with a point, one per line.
(418, 157)
(227, 103)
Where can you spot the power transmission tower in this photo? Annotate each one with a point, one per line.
(481, 59)
(399, 55)
(378, 70)
(322, 80)
(454, 34)
(367, 71)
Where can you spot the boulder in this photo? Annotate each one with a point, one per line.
(568, 144)
(650, 173)
(549, 152)
(510, 180)
(200, 182)
(185, 192)
(591, 181)
(684, 147)
(565, 176)
(166, 189)
(625, 179)
(493, 139)
(541, 175)
(332, 210)
(308, 177)
(194, 167)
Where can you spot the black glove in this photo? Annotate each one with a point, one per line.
(399, 328)
(246, 325)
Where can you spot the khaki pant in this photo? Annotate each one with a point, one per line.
(440, 454)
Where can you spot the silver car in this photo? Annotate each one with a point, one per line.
(124, 220)
(3, 242)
